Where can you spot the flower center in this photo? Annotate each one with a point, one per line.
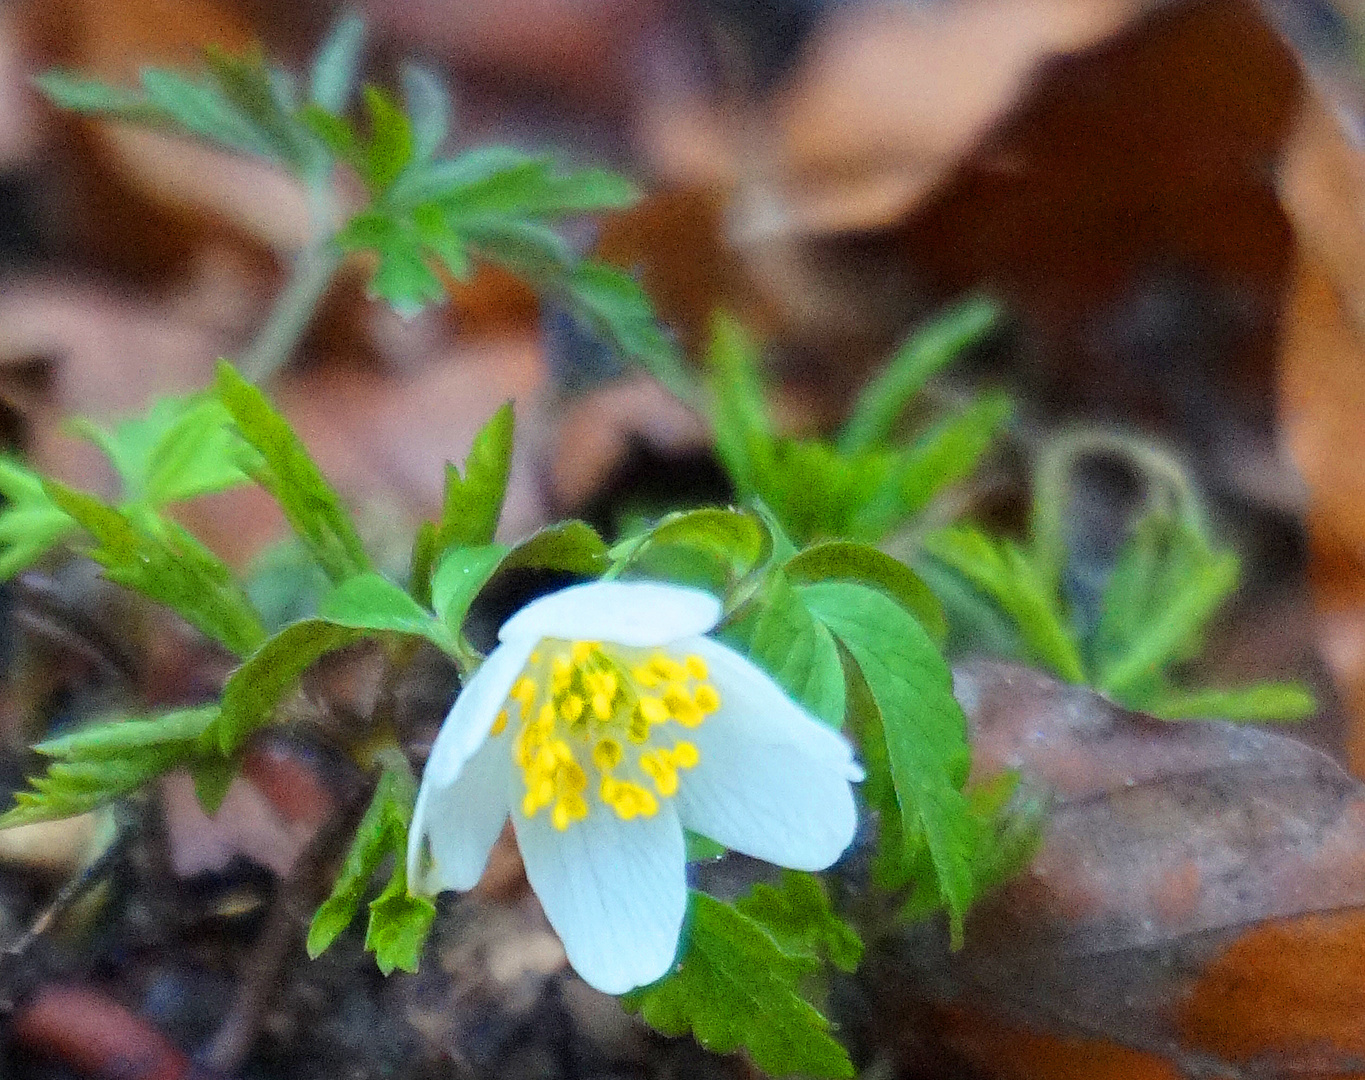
(604, 720)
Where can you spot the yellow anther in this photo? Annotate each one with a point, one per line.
(659, 766)
(602, 706)
(638, 730)
(685, 755)
(545, 719)
(681, 706)
(529, 806)
(652, 710)
(523, 692)
(606, 755)
(571, 708)
(696, 667)
(667, 668)
(646, 676)
(500, 724)
(582, 650)
(535, 659)
(708, 701)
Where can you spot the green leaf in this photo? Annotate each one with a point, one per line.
(103, 761)
(372, 602)
(428, 106)
(946, 454)
(314, 510)
(391, 146)
(1168, 583)
(745, 441)
(839, 560)
(736, 987)
(255, 690)
(473, 502)
(201, 109)
(1268, 702)
(399, 923)
(31, 524)
(459, 578)
(922, 723)
(528, 249)
(184, 447)
(730, 543)
(212, 775)
(778, 632)
(525, 188)
(571, 546)
(798, 917)
(265, 99)
(95, 98)
(1004, 573)
(824, 495)
(931, 348)
(168, 565)
(336, 64)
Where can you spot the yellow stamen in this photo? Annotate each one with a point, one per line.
(500, 724)
(696, 667)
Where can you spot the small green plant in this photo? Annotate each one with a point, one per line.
(812, 639)
(1164, 589)
(862, 484)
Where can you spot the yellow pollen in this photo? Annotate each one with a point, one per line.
(708, 701)
(500, 724)
(523, 692)
(582, 651)
(535, 659)
(653, 710)
(606, 755)
(685, 755)
(571, 708)
(681, 706)
(696, 667)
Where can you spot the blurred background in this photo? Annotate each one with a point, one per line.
(1166, 196)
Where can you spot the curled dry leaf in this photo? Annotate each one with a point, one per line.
(1199, 894)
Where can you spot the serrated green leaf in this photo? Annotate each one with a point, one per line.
(528, 249)
(799, 918)
(778, 632)
(1269, 702)
(168, 565)
(735, 987)
(255, 690)
(528, 188)
(334, 68)
(460, 576)
(399, 923)
(473, 502)
(372, 602)
(841, 560)
(1003, 573)
(104, 761)
(390, 148)
(264, 98)
(376, 838)
(286, 584)
(336, 132)
(931, 348)
(922, 723)
(31, 524)
(313, 509)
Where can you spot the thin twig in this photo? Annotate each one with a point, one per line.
(299, 894)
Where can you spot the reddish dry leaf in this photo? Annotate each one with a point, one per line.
(1178, 861)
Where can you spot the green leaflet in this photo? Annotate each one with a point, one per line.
(168, 565)
(334, 69)
(924, 729)
(929, 350)
(841, 560)
(778, 632)
(286, 471)
(735, 986)
(372, 602)
(106, 760)
(1004, 573)
(1270, 702)
(31, 524)
(710, 548)
(745, 440)
(473, 502)
(255, 690)
(399, 923)
(798, 917)
(184, 447)
(459, 578)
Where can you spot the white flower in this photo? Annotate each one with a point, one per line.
(604, 723)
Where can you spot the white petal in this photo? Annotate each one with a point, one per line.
(633, 613)
(460, 821)
(615, 891)
(474, 711)
(772, 782)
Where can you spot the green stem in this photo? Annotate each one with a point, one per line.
(312, 273)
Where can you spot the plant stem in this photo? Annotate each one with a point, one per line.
(313, 270)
